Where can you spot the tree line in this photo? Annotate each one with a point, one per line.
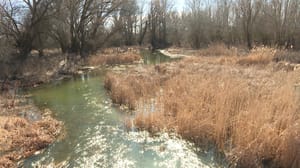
(85, 26)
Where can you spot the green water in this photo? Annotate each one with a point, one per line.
(155, 57)
(95, 134)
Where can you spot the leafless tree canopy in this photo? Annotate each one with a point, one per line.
(85, 26)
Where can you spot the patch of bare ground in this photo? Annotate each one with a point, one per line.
(249, 113)
(114, 56)
(20, 135)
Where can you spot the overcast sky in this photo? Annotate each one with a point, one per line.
(179, 4)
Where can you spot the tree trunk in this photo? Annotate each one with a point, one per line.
(24, 45)
(249, 39)
(75, 46)
(143, 33)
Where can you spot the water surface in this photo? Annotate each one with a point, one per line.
(95, 134)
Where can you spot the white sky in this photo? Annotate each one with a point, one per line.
(179, 4)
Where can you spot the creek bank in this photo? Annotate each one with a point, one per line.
(36, 71)
(24, 130)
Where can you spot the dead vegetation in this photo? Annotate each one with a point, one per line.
(218, 50)
(259, 56)
(23, 130)
(249, 113)
(49, 67)
(287, 56)
(222, 54)
(130, 88)
(20, 138)
(114, 56)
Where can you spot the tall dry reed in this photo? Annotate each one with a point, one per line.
(249, 113)
(128, 89)
(254, 124)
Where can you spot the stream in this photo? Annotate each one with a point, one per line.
(96, 135)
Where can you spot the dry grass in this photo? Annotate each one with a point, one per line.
(258, 56)
(114, 58)
(20, 139)
(128, 89)
(251, 124)
(287, 56)
(251, 115)
(218, 50)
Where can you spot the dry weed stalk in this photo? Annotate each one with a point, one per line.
(252, 124)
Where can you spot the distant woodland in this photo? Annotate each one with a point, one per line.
(85, 26)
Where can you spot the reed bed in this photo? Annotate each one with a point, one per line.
(128, 89)
(249, 114)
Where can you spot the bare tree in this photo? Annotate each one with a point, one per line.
(21, 22)
(86, 18)
(198, 23)
(128, 18)
(247, 13)
(159, 10)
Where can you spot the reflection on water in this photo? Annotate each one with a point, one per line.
(96, 136)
